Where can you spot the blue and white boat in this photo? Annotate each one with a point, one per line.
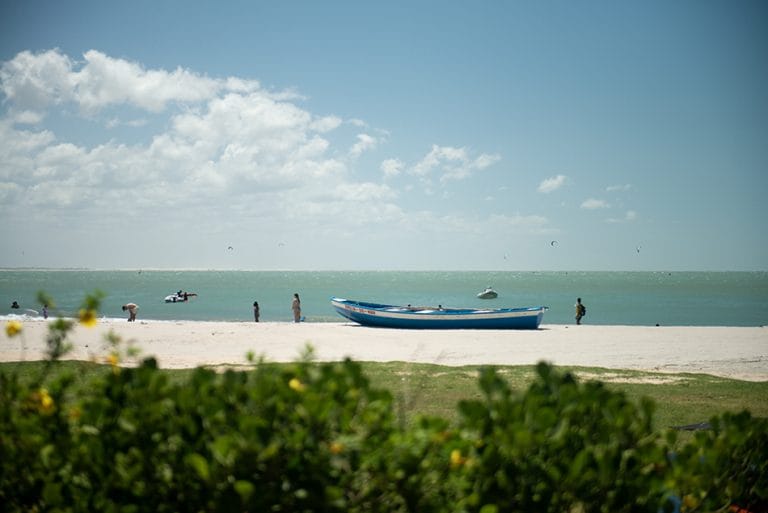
(418, 317)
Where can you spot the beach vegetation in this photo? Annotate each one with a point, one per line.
(434, 390)
(312, 436)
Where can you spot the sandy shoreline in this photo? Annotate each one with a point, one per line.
(734, 352)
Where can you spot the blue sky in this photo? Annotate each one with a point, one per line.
(401, 135)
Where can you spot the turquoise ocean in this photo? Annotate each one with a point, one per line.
(611, 298)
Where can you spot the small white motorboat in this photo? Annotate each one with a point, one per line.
(488, 293)
(179, 297)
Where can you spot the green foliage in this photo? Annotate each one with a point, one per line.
(726, 464)
(237, 441)
(319, 437)
(561, 446)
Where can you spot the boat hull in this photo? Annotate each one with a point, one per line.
(389, 316)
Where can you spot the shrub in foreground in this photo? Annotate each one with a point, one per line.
(318, 437)
(237, 441)
(562, 446)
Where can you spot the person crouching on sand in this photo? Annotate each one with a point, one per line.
(131, 307)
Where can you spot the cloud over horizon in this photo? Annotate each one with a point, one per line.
(225, 144)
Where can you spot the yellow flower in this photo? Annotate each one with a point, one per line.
(457, 459)
(87, 317)
(297, 385)
(113, 360)
(13, 328)
(337, 447)
(44, 401)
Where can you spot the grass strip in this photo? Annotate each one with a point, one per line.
(428, 389)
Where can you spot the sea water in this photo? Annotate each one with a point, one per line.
(611, 298)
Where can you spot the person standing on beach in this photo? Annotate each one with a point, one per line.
(296, 307)
(581, 310)
(256, 311)
(131, 307)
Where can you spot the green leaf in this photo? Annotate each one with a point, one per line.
(245, 489)
(200, 464)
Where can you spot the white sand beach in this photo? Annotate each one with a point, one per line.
(734, 352)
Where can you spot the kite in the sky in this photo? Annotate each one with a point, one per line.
(230, 248)
(553, 243)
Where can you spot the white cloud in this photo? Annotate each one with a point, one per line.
(34, 81)
(364, 143)
(629, 216)
(8, 191)
(594, 204)
(116, 122)
(363, 192)
(392, 167)
(485, 160)
(552, 184)
(228, 155)
(241, 86)
(618, 188)
(452, 163)
(434, 157)
(15, 142)
(28, 117)
(234, 139)
(105, 81)
(326, 124)
(533, 223)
